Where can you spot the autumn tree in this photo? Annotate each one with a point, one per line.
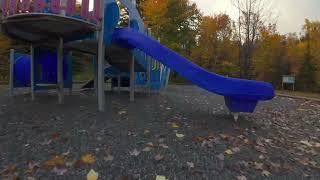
(251, 17)
(270, 56)
(215, 43)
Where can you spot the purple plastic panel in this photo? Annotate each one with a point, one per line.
(55, 6)
(39, 5)
(71, 7)
(13, 7)
(85, 9)
(96, 10)
(25, 5)
(4, 7)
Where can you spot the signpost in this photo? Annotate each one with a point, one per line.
(287, 79)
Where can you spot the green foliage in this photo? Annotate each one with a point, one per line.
(306, 79)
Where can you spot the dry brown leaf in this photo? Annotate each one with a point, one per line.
(11, 169)
(158, 157)
(265, 173)
(225, 137)
(258, 166)
(85, 160)
(88, 158)
(55, 136)
(57, 160)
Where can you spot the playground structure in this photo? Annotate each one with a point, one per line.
(119, 52)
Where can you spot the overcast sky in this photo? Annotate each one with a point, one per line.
(290, 13)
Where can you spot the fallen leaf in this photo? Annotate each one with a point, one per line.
(55, 136)
(11, 169)
(108, 158)
(220, 157)
(57, 160)
(59, 172)
(198, 139)
(236, 149)
(160, 177)
(265, 173)
(147, 149)
(261, 149)
(174, 125)
(229, 152)
(92, 175)
(122, 112)
(150, 144)
(179, 135)
(135, 152)
(242, 177)
(158, 157)
(32, 167)
(46, 142)
(258, 166)
(225, 137)
(66, 153)
(190, 164)
(163, 146)
(307, 143)
(88, 159)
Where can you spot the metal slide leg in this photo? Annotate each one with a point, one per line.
(60, 71)
(11, 70)
(95, 74)
(101, 51)
(119, 84)
(132, 79)
(32, 85)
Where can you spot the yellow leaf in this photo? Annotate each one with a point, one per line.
(229, 152)
(160, 178)
(92, 175)
(174, 125)
(88, 159)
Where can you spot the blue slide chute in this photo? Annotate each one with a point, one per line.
(240, 95)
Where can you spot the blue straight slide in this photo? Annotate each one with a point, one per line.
(240, 95)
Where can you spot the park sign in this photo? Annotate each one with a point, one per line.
(288, 79)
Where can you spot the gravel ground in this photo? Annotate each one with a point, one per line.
(143, 139)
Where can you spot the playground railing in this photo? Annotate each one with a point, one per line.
(60, 7)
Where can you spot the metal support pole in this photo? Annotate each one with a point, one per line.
(132, 78)
(95, 75)
(149, 68)
(32, 84)
(101, 64)
(119, 84)
(60, 71)
(11, 71)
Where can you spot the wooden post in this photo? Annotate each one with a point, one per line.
(60, 71)
(32, 84)
(11, 71)
(101, 55)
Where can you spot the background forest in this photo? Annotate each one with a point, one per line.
(249, 46)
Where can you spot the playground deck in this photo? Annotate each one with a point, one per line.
(279, 141)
